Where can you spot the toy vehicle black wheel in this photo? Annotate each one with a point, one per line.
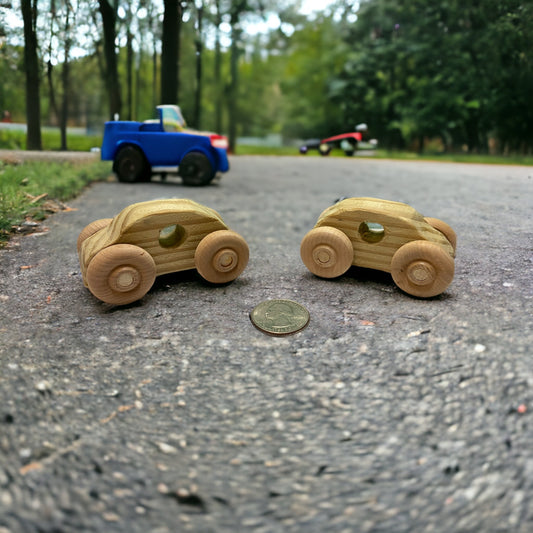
(445, 229)
(422, 268)
(121, 274)
(91, 229)
(327, 252)
(324, 149)
(221, 256)
(131, 165)
(196, 169)
(350, 148)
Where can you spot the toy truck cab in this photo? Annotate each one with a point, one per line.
(139, 149)
(389, 236)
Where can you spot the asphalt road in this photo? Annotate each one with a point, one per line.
(386, 414)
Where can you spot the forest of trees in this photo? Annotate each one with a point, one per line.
(442, 74)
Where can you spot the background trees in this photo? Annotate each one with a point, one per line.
(447, 75)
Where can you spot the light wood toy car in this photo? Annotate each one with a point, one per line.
(389, 236)
(121, 257)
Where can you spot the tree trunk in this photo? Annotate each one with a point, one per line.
(198, 85)
(234, 82)
(129, 74)
(31, 64)
(65, 79)
(218, 70)
(170, 50)
(109, 17)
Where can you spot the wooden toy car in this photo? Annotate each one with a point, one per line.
(389, 236)
(121, 257)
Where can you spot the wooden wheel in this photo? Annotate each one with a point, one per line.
(422, 268)
(91, 229)
(121, 274)
(444, 228)
(221, 256)
(327, 252)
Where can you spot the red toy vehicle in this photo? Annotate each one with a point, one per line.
(345, 141)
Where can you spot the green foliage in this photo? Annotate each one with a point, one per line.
(12, 76)
(316, 54)
(20, 185)
(455, 70)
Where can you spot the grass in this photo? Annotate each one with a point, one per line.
(51, 140)
(25, 188)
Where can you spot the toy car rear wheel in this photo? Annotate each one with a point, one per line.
(445, 229)
(422, 268)
(121, 274)
(131, 165)
(327, 252)
(196, 169)
(221, 256)
(91, 229)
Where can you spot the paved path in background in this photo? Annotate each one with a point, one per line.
(18, 156)
(387, 413)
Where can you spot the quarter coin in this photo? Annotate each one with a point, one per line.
(279, 317)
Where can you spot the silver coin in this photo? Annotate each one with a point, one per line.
(280, 317)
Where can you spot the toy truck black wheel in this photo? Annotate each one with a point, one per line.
(130, 165)
(196, 169)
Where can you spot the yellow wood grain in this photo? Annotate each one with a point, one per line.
(401, 223)
(140, 224)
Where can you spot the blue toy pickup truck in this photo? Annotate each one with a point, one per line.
(140, 149)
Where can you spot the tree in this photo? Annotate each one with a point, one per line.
(170, 52)
(108, 12)
(218, 68)
(31, 63)
(198, 41)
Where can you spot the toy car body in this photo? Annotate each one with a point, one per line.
(389, 236)
(121, 257)
(139, 149)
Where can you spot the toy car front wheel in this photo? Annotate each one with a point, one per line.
(445, 229)
(196, 169)
(121, 274)
(327, 252)
(91, 229)
(422, 268)
(221, 256)
(131, 165)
